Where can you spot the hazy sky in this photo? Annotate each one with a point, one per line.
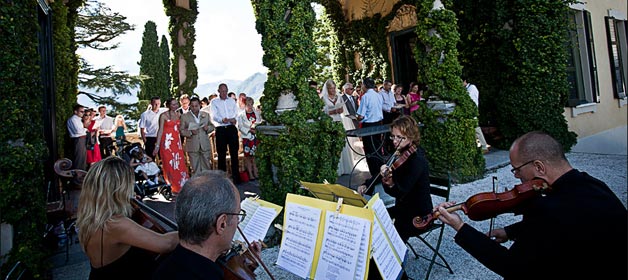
(227, 44)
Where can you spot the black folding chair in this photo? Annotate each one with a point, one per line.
(439, 187)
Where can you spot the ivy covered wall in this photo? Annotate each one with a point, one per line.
(309, 146)
(22, 148)
(182, 21)
(514, 51)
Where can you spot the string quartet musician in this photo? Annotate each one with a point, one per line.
(117, 246)
(576, 230)
(406, 178)
(207, 214)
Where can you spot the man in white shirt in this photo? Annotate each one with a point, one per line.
(389, 101)
(224, 111)
(149, 124)
(106, 127)
(77, 133)
(475, 96)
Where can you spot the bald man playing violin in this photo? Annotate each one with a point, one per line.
(575, 230)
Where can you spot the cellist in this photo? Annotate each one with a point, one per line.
(577, 230)
(117, 246)
(207, 214)
(406, 177)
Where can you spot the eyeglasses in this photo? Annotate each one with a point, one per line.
(242, 215)
(397, 137)
(516, 169)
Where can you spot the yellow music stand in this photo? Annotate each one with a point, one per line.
(332, 192)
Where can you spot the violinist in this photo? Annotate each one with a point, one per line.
(577, 230)
(207, 213)
(117, 246)
(406, 178)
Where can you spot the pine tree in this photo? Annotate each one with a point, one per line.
(165, 53)
(151, 63)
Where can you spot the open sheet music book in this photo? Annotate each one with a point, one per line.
(320, 237)
(259, 216)
(388, 248)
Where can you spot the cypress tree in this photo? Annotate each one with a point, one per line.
(154, 82)
(165, 53)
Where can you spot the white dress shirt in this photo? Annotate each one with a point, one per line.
(150, 121)
(221, 109)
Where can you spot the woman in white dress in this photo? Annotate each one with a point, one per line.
(334, 107)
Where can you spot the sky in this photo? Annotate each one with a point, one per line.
(227, 46)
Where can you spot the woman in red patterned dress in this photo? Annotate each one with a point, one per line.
(93, 148)
(169, 147)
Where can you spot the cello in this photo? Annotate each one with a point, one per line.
(487, 205)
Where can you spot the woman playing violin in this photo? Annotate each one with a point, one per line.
(208, 213)
(407, 178)
(117, 247)
(576, 231)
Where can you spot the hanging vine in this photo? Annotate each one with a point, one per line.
(309, 147)
(182, 20)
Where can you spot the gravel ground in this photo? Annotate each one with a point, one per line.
(609, 168)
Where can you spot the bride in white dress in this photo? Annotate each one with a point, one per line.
(334, 107)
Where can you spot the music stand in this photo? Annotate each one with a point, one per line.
(332, 192)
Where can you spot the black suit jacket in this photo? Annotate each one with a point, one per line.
(351, 109)
(576, 231)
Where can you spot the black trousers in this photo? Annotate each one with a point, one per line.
(149, 146)
(105, 142)
(373, 152)
(227, 136)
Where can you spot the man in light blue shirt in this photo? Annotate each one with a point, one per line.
(370, 113)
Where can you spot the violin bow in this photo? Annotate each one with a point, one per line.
(491, 223)
(257, 258)
(389, 162)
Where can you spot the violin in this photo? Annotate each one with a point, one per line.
(488, 205)
(394, 161)
(240, 263)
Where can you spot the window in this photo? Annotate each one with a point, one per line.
(616, 36)
(581, 63)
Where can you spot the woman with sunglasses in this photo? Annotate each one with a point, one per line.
(406, 178)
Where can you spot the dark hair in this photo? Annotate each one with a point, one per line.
(77, 107)
(195, 98)
(312, 83)
(368, 82)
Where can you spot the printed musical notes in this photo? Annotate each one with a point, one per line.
(300, 234)
(259, 216)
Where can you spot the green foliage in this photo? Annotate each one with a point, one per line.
(309, 147)
(515, 53)
(64, 58)
(165, 56)
(182, 20)
(448, 139)
(152, 66)
(325, 40)
(22, 151)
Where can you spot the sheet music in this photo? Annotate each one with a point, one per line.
(299, 239)
(382, 215)
(384, 257)
(339, 255)
(258, 226)
(363, 254)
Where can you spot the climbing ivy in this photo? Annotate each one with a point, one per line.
(449, 139)
(309, 147)
(22, 149)
(182, 20)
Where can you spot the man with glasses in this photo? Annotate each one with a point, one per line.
(207, 213)
(576, 230)
(77, 133)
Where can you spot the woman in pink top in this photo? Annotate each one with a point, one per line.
(413, 97)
